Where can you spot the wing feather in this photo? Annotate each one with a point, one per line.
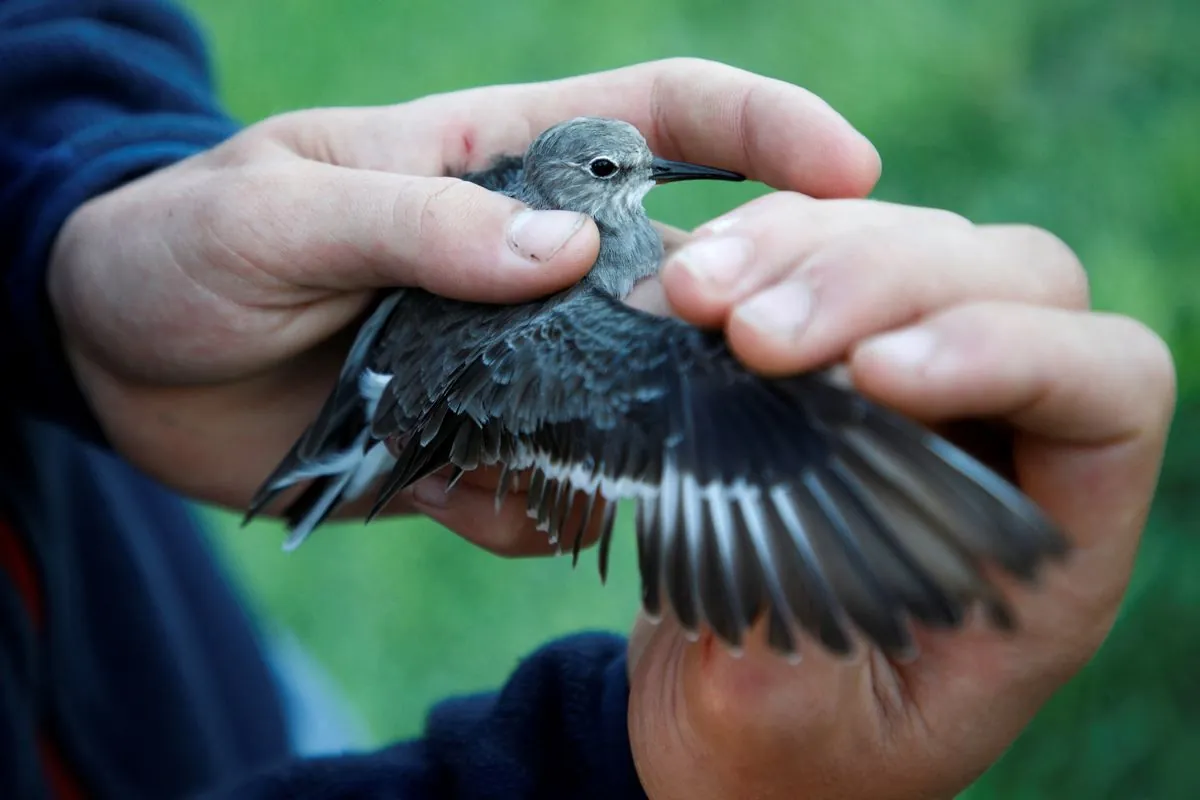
(795, 497)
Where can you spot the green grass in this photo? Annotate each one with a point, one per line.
(1077, 115)
(405, 613)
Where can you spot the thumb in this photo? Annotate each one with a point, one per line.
(352, 229)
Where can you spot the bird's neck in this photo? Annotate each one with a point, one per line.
(629, 253)
(630, 247)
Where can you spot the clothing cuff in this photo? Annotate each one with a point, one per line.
(82, 168)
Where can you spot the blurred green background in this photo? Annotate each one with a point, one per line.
(1082, 117)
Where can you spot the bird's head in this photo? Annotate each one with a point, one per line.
(603, 168)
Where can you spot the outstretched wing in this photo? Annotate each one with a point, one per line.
(795, 497)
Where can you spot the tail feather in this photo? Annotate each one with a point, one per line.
(312, 507)
(330, 452)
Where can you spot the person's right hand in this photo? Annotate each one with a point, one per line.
(201, 305)
(945, 321)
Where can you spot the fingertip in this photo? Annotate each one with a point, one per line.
(460, 240)
(851, 160)
(689, 298)
(548, 237)
(571, 262)
(650, 296)
(863, 165)
(811, 147)
(770, 129)
(850, 164)
(542, 252)
(704, 279)
(767, 331)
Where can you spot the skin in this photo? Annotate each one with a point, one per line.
(944, 320)
(204, 310)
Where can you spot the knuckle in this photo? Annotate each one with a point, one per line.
(776, 208)
(689, 65)
(280, 124)
(445, 200)
(313, 134)
(947, 218)
(274, 127)
(1065, 273)
(869, 260)
(434, 224)
(254, 144)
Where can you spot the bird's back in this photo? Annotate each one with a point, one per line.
(505, 175)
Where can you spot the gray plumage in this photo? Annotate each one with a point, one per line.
(796, 498)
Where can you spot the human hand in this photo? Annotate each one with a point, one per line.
(943, 320)
(204, 307)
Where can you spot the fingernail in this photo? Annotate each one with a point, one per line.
(910, 349)
(431, 492)
(539, 235)
(717, 262)
(781, 312)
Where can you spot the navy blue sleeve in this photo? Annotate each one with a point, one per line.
(94, 93)
(557, 729)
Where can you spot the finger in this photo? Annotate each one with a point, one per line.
(649, 296)
(469, 510)
(403, 138)
(1080, 378)
(740, 253)
(688, 109)
(673, 238)
(1093, 395)
(333, 228)
(866, 282)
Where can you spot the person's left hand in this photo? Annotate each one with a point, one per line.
(205, 307)
(943, 320)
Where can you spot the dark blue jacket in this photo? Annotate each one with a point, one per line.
(127, 666)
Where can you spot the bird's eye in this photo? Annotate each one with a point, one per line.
(602, 168)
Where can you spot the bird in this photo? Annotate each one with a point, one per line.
(794, 501)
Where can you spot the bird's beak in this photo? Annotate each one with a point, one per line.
(664, 171)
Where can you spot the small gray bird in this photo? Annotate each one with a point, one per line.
(792, 497)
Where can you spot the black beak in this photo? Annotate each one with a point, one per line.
(664, 171)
